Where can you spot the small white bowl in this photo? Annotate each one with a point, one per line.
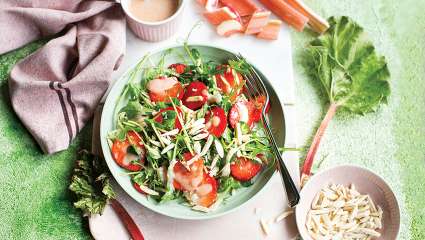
(154, 31)
(366, 182)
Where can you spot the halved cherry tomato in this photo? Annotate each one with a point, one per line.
(159, 118)
(230, 81)
(216, 122)
(241, 111)
(137, 187)
(188, 180)
(196, 95)
(164, 88)
(258, 107)
(206, 192)
(121, 155)
(180, 68)
(244, 169)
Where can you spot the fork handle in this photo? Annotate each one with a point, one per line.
(292, 193)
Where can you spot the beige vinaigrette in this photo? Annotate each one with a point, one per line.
(153, 10)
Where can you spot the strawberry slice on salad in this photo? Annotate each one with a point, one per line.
(206, 193)
(179, 68)
(196, 95)
(230, 82)
(177, 124)
(163, 88)
(244, 169)
(242, 111)
(216, 121)
(131, 161)
(137, 187)
(259, 103)
(188, 178)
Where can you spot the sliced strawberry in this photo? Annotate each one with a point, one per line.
(188, 180)
(242, 111)
(159, 118)
(179, 68)
(229, 82)
(125, 159)
(137, 187)
(206, 192)
(164, 88)
(244, 169)
(215, 120)
(259, 103)
(196, 95)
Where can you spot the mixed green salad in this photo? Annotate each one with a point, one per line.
(188, 130)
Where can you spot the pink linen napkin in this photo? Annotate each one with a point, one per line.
(55, 90)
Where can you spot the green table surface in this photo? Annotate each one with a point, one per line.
(35, 202)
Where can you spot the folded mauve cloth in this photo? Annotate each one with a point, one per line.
(55, 90)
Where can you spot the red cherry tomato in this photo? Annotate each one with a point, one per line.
(188, 180)
(196, 95)
(244, 169)
(164, 88)
(123, 158)
(216, 122)
(241, 111)
(179, 68)
(159, 118)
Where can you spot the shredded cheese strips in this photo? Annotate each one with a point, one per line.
(339, 212)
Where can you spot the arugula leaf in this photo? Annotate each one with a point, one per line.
(241, 66)
(169, 119)
(91, 184)
(227, 184)
(132, 109)
(351, 73)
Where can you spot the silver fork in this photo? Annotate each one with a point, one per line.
(255, 87)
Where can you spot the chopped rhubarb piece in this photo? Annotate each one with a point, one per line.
(229, 27)
(271, 30)
(208, 4)
(257, 22)
(220, 15)
(287, 13)
(243, 7)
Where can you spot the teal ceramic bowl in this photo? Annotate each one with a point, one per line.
(172, 208)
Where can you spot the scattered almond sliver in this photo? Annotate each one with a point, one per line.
(339, 211)
(283, 215)
(264, 227)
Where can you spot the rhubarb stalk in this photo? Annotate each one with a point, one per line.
(308, 163)
(131, 226)
(353, 81)
(317, 23)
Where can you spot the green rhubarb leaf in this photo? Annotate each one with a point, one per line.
(352, 74)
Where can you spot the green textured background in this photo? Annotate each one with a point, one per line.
(34, 202)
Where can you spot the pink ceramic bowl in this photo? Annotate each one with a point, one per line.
(154, 31)
(366, 182)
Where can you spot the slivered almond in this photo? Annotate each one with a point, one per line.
(283, 215)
